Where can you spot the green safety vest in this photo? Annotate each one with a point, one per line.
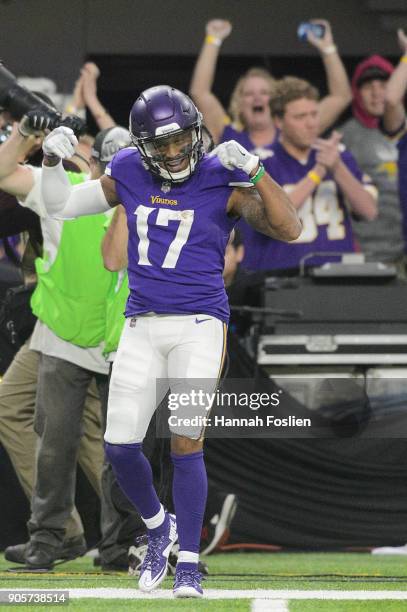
(71, 294)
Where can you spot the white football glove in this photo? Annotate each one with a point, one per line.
(232, 155)
(61, 142)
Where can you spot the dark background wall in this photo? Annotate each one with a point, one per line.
(52, 37)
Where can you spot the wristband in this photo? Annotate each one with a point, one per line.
(212, 40)
(315, 178)
(329, 50)
(52, 159)
(404, 59)
(259, 174)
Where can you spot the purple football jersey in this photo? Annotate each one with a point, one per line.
(325, 219)
(402, 164)
(243, 138)
(177, 236)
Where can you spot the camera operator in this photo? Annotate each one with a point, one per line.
(69, 358)
(18, 387)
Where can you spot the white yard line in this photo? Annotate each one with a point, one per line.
(265, 605)
(256, 594)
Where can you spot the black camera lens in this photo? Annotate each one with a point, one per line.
(18, 101)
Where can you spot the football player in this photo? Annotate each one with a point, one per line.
(181, 206)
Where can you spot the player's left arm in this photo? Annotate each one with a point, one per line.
(340, 93)
(267, 208)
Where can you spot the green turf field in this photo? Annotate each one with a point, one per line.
(281, 582)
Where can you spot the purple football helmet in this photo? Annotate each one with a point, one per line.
(162, 115)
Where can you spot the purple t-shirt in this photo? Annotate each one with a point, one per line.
(177, 236)
(325, 219)
(402, 165)
(243, 138)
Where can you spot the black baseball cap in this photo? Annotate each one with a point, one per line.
(108, 142)
(372, 73)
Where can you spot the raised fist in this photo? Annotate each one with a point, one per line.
(232, 155)
(219, 28)
(91, 70)
(61, 142)
(89, 74)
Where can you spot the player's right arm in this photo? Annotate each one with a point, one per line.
(215, 116)
(63, 200)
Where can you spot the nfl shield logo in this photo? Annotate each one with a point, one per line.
(133, 322)
(166, 187)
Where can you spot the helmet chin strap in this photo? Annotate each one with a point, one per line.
(182, 175)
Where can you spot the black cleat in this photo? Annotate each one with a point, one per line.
(39, 555)
(72, 548)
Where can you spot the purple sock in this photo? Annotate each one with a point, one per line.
(133, 472)
(189, 491)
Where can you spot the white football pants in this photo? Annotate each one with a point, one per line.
(183, 353)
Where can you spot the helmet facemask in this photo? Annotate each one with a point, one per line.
(154, 150)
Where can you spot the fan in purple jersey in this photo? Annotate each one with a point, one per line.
(249, 121)
(322, 179)
(181, 207)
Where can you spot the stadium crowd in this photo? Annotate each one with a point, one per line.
(347, 183)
